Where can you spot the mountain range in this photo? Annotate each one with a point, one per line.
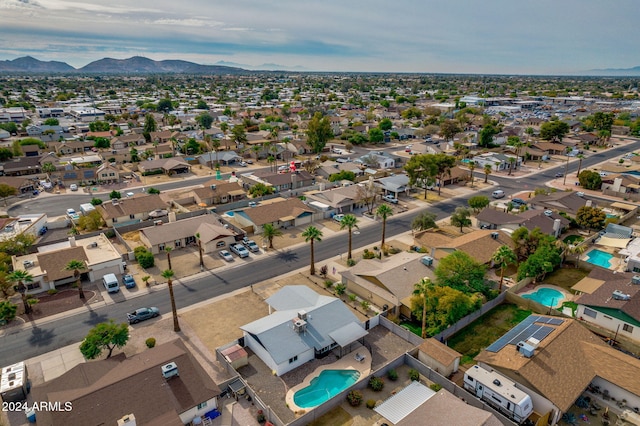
(134, 65)
(635, 71)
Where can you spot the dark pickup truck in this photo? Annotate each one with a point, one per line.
(142, 314)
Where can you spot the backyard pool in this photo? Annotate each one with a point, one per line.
(324, 387)
(600, 258)
(546, 296)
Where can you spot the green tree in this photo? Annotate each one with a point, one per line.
(478, 202)
(168, 275)
(485, 137)
(8, 311)
(487, 171)
(421, 289)
(150, 126)
(269, 232)
(153, 191)
(540, 263)
(99, 126)
(312, 234)
(385, 124)
(385, 212)
(204, 120)
(105, 335)
(101, 143)
(422, 170)
(21, 278)
(472, 168)
(376, 135)
(202, 104)
(503, 257)
(342, 175)
(349, 221)
(51, 122)
(239, 135)
(603, 121)
(318, 132)
(91, 221)
(424, 221)
(7, 191)
(591, 217)
(444, 163)
(590, 180)
(580, 157)
(164, 106)
(260, 189)
(554, 130)
(115, 195)
(76, 266)
(459, 271)
(96, 201)
(5, 154)
(461, 217)
(448, 129)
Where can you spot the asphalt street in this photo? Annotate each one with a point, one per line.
(27, 342)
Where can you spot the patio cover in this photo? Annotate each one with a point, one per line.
(287, 218)
(613, 242)
(587, 285)
(348, 334)
(623, 206)
(237, 192)
(404, 402)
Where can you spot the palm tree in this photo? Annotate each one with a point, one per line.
(21, 277)
(503, 257)
(512, 161)
(472, 167)
(269, 232)
(349, 221)
(168, 250)
(168, 275)
(578, 251)
(580, 157)
(76, 266)
(312, 234)
(421, 289)
(384, 211)
(487, 172)
(215, 144)
(48, 168)
(224, 126)
(200, 250)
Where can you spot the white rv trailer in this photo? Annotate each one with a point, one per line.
(499, 392)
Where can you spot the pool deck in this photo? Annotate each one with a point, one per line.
(567, 296)
(347, 362)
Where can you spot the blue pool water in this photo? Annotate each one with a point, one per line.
(600, 258)
(545, 296)
(610, 215)
(230, 214)
(324, 387)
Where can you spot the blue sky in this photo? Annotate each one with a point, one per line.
(454, 36)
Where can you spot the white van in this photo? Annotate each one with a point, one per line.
(498, 193)
(111, 284)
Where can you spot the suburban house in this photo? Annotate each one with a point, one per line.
(378, 160)
(25, 224)
(210, 159)
(126, 141)
(610, 301)
(213, 235)
(139, 390)
(561, 201)
(47, 266)
(342, 199)
(480, 244)
(22, 183)
(279, 181)
(163, 136)
(394, 185)
(624, 185)
(388, 283)
(497, 161)
(415, 403)
(219, 192)
(550, 223)
(21, 166)
(439, 357)
(554, 360)
(329, 168)
(304, 326)
(106, 173)
(287, 213)
(168, 166)
(130, 210)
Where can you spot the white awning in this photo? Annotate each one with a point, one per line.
(404, 402)
(613, 242)
(348, 334)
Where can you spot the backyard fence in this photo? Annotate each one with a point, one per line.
(532, 305)
(402, 332)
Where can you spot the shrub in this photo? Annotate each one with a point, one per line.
(328, 283)
(110, 233)
(150, 342)
(376, 384)
(435, 387)
(52, 291)
(324, 270)
(146, 259)
(351, 262)
(138, 250)
(365, 305)
(392, 375)
(355, 398)
(340, 289)
(8, 311)
(260, 417)
(368, 254)
(414, 375)
(371, 403)
(352, 297)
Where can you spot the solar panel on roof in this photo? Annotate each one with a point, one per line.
(523, 331)
(524, 334)
(542, 333)
(555, 321)
(506, 338)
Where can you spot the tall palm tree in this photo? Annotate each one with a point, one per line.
(269, 232)
(580, 157)
(215, 144)
(21, 278)
(48, 168)
(76, 266)
(503, 257)
(349, 221)
(421, 289)
(168, 275)
(312, 234)
(168, 250)
(472, 167)
(578, 251)
(487, 172)
(512, 161)
(200, 250)
(384, 211)
(224, 126)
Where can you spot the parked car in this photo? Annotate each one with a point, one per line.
(391, 199)
(338, 217)
(580, 194)
(251, 245)
(498, 193)
(242, 164)
(249, 161)
(559, 175)
(72, 214)
(240, 250)
(252, 204)
(226, 255)
(142, 314)
(518, 202)
(128, 281)
(73, 187)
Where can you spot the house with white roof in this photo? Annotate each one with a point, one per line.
(304, 326)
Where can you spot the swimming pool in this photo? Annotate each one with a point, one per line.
(324, 387)
(600, 258)
(545, 296)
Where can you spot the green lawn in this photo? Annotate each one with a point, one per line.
(565, 277)
(486, 330)
(412, 327)
(573, 239)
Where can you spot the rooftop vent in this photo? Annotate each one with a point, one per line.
(302, 315)
(114, 201)
(525, 349)
(299, 325)
(127, 420)
(618, 295)
(93, 245)
(170, 370)
(495, 235)
(28, 264)
(497, 382)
